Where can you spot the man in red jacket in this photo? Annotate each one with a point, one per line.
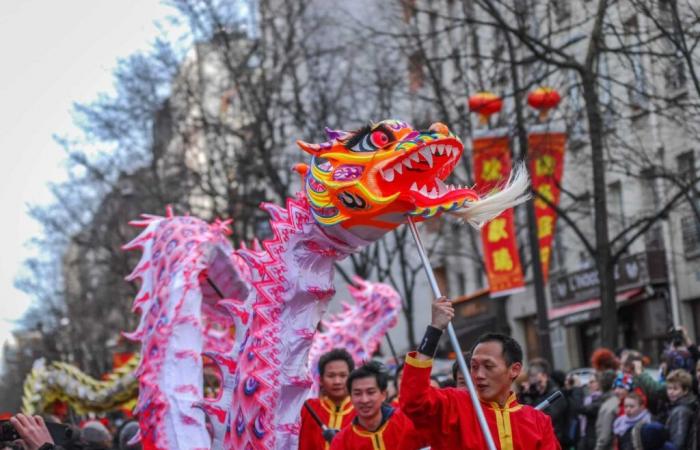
(449, 415)
(377, 425)
(334, 407)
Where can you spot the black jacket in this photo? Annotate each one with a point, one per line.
(558, 411)
(681, 422)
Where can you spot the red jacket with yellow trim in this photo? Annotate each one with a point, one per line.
(450, 414)
(338, 417)
(395, 433)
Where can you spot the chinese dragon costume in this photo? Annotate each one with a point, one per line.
(358, 186)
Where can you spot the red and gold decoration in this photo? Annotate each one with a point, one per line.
(484, 104)
(492, 166)
(546, 163)
(543, 99)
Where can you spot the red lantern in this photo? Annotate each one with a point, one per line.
(543, 99)
(485, 104)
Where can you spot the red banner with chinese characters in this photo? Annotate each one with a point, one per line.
(546, 164)
(492, 166)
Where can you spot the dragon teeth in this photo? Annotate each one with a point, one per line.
(442, 187)
(407, 162)
(398, 168)
(388, 174)
(427, 155)
(424, 191)
(433, 193)
(414, 157)
(441, 149)
(414, 186)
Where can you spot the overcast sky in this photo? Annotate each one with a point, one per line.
(54, 53)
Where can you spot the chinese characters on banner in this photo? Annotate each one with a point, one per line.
(492, 166)
(546, 163)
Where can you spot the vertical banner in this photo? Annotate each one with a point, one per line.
(492, 166)
(546, 164)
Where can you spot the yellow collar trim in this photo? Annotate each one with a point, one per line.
(505, 431)
(336, 414)
(376, 437)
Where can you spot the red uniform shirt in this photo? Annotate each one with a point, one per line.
(449, 416)
(338, 417)
(395, 433)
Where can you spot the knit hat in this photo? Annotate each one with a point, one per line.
(623, 380)
(653, 436)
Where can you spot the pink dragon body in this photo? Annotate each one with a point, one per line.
(274, 296)
(254, 312)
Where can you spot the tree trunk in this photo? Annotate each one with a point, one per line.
(544, 340)
(603, 254)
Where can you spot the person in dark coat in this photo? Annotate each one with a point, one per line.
(542, 386)
(588, 411)
(682, 409)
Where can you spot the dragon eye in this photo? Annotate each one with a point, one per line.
(371, 141)
(379, 138)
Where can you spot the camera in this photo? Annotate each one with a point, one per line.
(61, 434)
(676, 337)
(8, 432)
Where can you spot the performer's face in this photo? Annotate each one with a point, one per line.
(333, 380)
(491, 373)
(366, 397)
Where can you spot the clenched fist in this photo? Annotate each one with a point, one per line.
(442, 313)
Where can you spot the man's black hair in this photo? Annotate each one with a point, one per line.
(370, 369)
(396, 376)
(337, 354)
(455, 365)
(512, 352)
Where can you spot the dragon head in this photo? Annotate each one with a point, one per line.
(370, 179)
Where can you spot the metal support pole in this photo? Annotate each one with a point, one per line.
(453, 339)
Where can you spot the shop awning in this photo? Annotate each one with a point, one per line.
(587, 305)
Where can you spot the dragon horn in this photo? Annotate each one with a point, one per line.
(313, 149)
(337, 134)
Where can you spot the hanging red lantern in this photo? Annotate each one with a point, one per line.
(485, 104)
(543, 99)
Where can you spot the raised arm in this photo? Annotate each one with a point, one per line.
(423, 404)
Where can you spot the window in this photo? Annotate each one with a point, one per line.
(690, 230)
(636, 87)
(562, 9)
(558, 260)
(686, 166)
(675, 74)
(650, 196)
(521, 8)
(478, 276)
(654, 239)
(690, 226)
(616, 204)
